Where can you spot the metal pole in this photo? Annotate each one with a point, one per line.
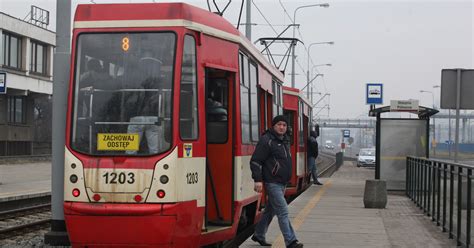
(449, 133)
(434, 128)
(58, 235)
(307, 91)
(293, 58)
(458, 104)
(248, 26)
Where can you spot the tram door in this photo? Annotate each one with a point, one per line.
(292, 133)
(219, 160)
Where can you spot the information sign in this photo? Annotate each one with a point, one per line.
(3, 82)
(374, 93)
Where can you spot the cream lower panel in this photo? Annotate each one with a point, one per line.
(300, 163)
(167, 166)
(113, 180)
(71, 161)
(243, 178)
(118, 197)
(191, 180)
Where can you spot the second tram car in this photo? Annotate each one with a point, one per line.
(298, 111)
(166, 104)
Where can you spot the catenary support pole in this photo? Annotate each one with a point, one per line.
(58, 235)
(248, 25)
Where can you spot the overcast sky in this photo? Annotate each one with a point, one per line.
(402, 44)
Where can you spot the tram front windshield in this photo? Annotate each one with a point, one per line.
(123, 93)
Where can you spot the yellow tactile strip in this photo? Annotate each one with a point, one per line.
(299, 219)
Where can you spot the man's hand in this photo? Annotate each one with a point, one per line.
(258, 187)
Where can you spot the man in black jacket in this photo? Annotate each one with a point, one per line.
(271, 166)
(312, 155)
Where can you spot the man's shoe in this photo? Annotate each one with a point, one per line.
(295, 244)
(261, 242)
(318, 183)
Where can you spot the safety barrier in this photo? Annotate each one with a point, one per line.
(443, 191)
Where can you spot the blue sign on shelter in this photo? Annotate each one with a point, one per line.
(374, 94)
(3, 82)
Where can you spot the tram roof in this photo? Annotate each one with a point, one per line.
(296, 92)
(166, 14)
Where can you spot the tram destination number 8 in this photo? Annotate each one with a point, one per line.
(120, 178)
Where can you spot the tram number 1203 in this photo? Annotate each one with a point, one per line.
(120, 178)
(192, 178)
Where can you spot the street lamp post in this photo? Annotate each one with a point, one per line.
(310, 82)
(433, 144)
(307, 64)
(293, 56)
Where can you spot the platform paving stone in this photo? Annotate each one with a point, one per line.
(24, 180)
(338, 218)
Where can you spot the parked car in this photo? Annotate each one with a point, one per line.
(366, 157)
(329, 145)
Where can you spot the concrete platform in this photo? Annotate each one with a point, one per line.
(20, 181)
(333, 215)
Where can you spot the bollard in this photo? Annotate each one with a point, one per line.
(375, 194)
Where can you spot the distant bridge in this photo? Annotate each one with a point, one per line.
(346, 123)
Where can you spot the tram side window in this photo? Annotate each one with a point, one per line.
(244, 99)
(277, 99)
(254, 102)
(217, 106)
(188, 120)
(301, 125)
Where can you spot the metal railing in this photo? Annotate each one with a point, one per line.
(443, 191)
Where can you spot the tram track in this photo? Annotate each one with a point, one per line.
(19, 221)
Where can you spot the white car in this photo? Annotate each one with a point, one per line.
(366, 157)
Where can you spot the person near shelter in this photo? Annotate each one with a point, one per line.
(271, 168)
(313, 153)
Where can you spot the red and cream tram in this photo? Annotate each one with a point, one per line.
(298, 111)
(166, 104)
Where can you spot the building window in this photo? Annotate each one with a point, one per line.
(39, 58)
(12, 50)
(16, 109)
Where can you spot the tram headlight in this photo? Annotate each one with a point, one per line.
(160, 193)
(164, 179)
(76, 192)
(73, 178)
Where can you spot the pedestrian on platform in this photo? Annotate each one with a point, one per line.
(313, 152)
(271, 168)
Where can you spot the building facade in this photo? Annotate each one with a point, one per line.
(26, 56)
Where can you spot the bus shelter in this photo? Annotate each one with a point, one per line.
(397, 138)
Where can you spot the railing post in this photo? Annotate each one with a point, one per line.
(451, 200)
(445, 189)
(419, 183)
(438, 213)
(459, 201)
(425, 184)
(468, 198)
(407, 177)
(433, 190)
(428, 180)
